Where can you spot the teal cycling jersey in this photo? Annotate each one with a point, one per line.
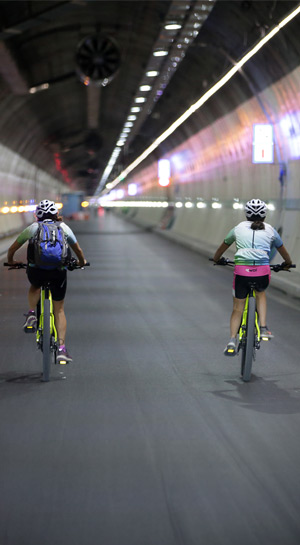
(253, 247)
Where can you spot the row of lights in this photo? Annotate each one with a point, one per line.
(215, 205)
(159, 70)
(132, 204)
(23, 208)
(184, 33)
(103, 201)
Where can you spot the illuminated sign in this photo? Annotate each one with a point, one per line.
(132, 189)
(164, 172)
(263, 143)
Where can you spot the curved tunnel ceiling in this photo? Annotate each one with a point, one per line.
(70, 129)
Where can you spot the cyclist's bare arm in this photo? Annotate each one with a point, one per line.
(11, 252)
(285, 255)
(79, 253)
(220, 251)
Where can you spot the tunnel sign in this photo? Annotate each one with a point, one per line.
(164, 172)
(263, 143)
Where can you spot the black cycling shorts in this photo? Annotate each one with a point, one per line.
(241, 285)
(56, 277)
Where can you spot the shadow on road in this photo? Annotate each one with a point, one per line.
(263, 395)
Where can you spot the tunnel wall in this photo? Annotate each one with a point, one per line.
(22, 183)
(215, 166)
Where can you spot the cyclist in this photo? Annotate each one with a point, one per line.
(47, 210)
(254, 241)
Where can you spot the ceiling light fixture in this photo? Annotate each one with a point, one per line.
(152, 73)
(173, 26)
(160, 53)
(38, 88)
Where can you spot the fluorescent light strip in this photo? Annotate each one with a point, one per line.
(135, 204)
(205, 97)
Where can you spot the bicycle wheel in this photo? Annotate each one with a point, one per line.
(249, 344)
(46, 341)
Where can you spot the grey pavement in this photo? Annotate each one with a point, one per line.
(149, 437)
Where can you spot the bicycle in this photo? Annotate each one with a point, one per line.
(46, 334)
(249, 335)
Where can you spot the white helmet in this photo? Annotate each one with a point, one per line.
(255, 207)
(45, 207)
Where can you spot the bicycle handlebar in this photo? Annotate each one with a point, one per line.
(16, 266)
(70, 266)
(276, 268)
(223, 261)
(280, 267)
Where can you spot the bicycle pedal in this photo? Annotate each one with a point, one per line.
(29, 329)
(230, 352)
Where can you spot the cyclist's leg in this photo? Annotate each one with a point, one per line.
(35, 278)
(236, 316)
(63, 356)
(239, 290)
(60, 320)
(261, 305)
(58, 285)
(30, 323)
(58, 289)
(33, 296)
(235, 321)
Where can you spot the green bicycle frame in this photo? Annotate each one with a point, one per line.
(244, 321)
(40, 329)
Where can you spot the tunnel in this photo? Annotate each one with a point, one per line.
(150, 125)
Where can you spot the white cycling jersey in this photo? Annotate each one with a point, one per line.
(253, 247)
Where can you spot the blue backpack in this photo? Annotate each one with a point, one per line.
(50, 247)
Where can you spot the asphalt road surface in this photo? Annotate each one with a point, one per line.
(149, 437)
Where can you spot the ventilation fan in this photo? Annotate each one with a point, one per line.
(98, 59)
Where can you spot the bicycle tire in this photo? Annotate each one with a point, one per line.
(250, 337)
(46, 341)
(243, 350)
